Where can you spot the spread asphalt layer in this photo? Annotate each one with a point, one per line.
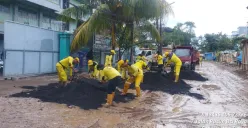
(195, 101)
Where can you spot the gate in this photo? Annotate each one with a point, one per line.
(29, 50)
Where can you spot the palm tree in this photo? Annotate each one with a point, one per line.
(111, 13)
(140, 33)
(78, 11)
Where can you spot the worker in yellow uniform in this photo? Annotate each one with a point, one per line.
(109, 58)
(114, 77)
(139, 57)
(66, 64)
(160, 61)
(172, 57)
(143, 58)
(200, 60)
(122, 70)
(135, 72)
(94, 73)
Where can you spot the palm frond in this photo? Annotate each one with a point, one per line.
(146, 9)
(97, 22)
(149, 27)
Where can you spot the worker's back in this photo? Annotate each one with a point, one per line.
(175, 59)
(140, 64)
(65, 62)
(110, 73)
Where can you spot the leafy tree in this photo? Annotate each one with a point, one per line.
(112, 13)
(182, 34)
(219, 42)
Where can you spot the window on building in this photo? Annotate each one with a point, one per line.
(4, 9)
(65, 4)
(46, 22)
(27, 17)
(5, 12)
(56, 25)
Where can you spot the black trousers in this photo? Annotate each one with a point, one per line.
(160, 68)
(113, 83)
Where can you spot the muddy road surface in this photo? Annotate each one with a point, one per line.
(211, 96)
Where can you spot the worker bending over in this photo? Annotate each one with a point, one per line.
(109, 58)
(172, 57)
(93, 72)
(136, 75)
(122, 70)
(114, 77)
(66, 64)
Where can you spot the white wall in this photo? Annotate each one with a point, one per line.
(35, 50)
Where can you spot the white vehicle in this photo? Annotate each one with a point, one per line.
(148, 54)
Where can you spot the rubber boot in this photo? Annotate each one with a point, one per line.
(125, 89)
(113, 96)
(137, 91)
(176, 78)
(109, 100)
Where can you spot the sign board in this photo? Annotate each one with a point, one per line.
(102, 43)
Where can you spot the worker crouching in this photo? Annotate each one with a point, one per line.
(93, 72)
(172, 57)
(63, 65)
(114, 77)
(121, 69)
(135, 75)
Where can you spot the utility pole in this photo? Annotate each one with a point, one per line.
(160, 45)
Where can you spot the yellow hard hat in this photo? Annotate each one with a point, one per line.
(90, 62)
(166, 54)
(121, 62)
(127, 61)
(112, 51)
(77, 59)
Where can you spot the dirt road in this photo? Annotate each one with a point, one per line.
(211, 96)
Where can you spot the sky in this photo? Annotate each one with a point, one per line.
(210, 16)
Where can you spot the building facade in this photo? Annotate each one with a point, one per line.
(39, 13)
(242, 30)
(29, 35)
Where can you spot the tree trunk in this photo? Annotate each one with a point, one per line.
(160, 42)
(113, 37)
(131, 54)
(119, 53)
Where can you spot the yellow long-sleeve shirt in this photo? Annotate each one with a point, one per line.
(160, 59)
(119, 63)
(108, 60)
(140, 64)
(174, 59)
(94, 72)
(109, 73)
(67, 64)
(134, 70)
